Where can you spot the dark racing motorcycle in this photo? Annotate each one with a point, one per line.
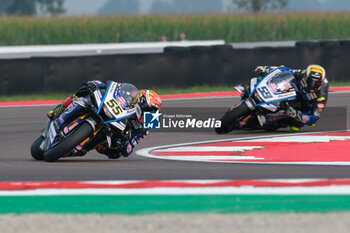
(261, 103)
(74, 132)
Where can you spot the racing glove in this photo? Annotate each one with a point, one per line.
(86, 88)
(292, 113)
(299, 75)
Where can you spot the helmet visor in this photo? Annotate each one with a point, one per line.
(314, 80)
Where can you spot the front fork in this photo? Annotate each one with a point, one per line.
(250, 104)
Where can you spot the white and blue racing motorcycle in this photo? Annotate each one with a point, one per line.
(261, 100)
(75, 131)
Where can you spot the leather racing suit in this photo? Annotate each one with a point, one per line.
(308, 104)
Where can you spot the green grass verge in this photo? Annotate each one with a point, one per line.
(340, 84)
(195, 89)
(152, 204)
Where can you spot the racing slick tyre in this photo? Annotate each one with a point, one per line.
(228, 121)
(35, 150)
(68, 143)
(271, 128)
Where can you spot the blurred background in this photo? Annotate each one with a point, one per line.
(122, 7)
(242, 35)
(104, 7)
(110, 21)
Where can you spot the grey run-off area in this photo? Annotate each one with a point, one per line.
(174, 223)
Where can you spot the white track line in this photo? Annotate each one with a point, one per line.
(146, 152)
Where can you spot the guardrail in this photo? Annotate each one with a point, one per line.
(42, 69)
(11, 52)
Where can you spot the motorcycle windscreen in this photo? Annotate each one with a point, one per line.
(276, 86)
(282, 83)
(126, 94)
(117, 106)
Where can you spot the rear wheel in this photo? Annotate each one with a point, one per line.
(68, 143)
(229, 120)
(35, 150)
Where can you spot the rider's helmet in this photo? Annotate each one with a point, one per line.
(147, 101)
(315, 75)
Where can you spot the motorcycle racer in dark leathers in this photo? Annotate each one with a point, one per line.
(312, 95)
(122, 141)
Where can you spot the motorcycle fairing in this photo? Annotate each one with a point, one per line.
(98, 97)
(113, 101)
(253, 83)
(268, 96)
(52, 133)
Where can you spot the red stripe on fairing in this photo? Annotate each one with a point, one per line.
(22, 186)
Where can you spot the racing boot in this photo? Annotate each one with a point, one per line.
(59, 109)
(294, 129)
(112, 153)
(54, 113)
(296, 125)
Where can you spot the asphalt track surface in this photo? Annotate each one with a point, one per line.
(20, 126)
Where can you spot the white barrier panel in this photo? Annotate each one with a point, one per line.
(95, 49)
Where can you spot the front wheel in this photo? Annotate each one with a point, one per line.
(68, 143)
(229, 120)
(35, 150)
